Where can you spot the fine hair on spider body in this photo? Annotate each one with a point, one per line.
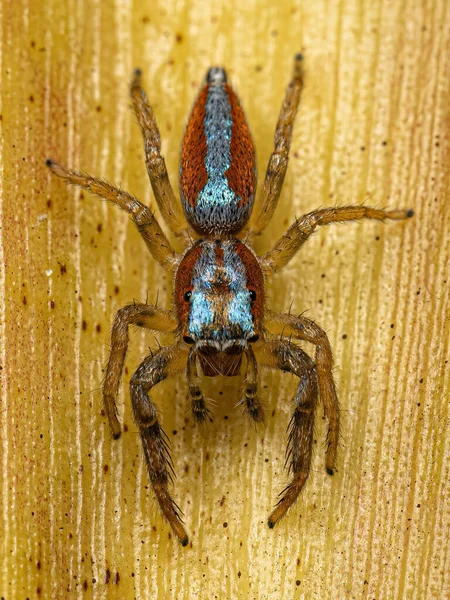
(219, 313)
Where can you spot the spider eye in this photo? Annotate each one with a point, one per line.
(187, 296)
(252, 295)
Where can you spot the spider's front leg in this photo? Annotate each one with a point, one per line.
(142, 315)
(288, 357)
(302, 328)
(167, 362)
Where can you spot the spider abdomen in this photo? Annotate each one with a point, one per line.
(218, 164)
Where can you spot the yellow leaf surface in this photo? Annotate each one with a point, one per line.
(78, 518)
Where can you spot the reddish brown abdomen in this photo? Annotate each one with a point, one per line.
(218, 165)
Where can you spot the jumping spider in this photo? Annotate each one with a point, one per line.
(219, 312)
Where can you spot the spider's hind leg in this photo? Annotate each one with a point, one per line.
(278, 163)
(169, 206)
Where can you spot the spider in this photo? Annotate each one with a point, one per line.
(219, 314)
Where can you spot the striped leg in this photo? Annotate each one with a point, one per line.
(166, 363)
(277, 167)
(302, 328)
(294, 238)
(289, 357)
(147, 225)
(169, 206)
(142, 315)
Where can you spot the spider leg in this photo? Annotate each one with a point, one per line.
(166, 363)
(200, 410)
(149, 228)
(276, 169)
(303, 228)
(250, 402)
(302, 328)
(289, 357)
(156, 167)
(142, 315)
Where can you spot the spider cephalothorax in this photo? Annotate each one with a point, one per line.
(219, 314)
(219, 295)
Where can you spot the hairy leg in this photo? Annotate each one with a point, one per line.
(142, 315)
(166, 363)
(303, 228)
(289, 357)
(149, 228)
(276, 169)
(169, 206)
(302, 328)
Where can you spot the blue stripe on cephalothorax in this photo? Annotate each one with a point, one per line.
(239, 310)
(201, 314)
(220, 301)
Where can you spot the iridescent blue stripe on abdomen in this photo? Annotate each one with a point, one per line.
(216, 200)
(217, 167)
